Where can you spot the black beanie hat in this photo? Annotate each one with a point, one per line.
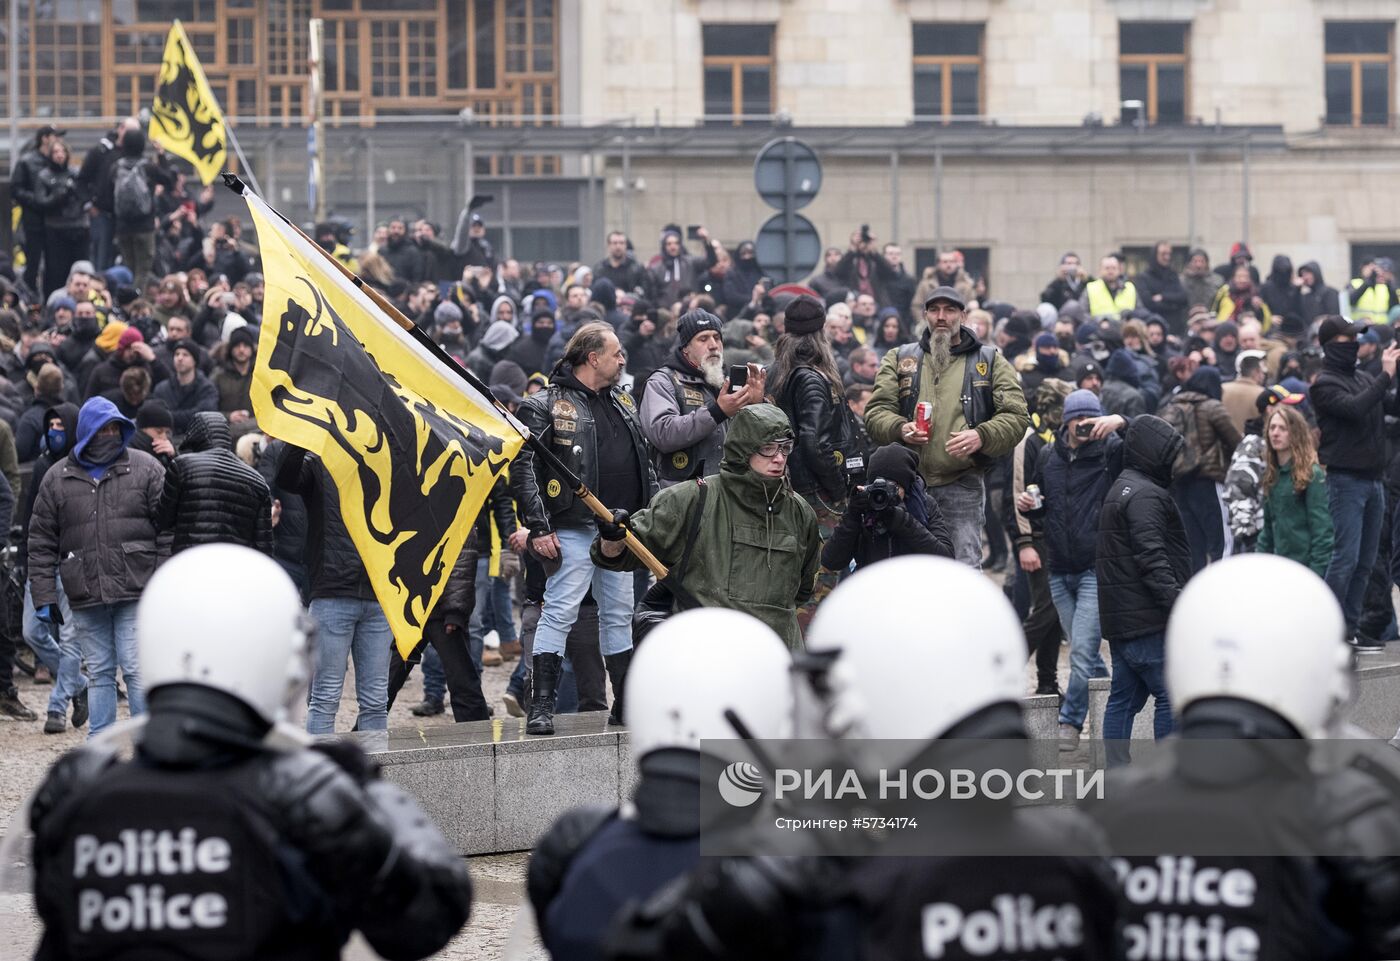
(804, 315)
(894, 462)
(154, 413)
(693, 322)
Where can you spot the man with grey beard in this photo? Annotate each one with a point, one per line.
(687, 402)
(978, 414)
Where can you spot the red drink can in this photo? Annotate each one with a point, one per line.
(923, 415)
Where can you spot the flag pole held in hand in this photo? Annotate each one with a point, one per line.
(542, 451)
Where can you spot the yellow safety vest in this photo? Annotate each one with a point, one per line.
(1104, 304)
(1372, 307)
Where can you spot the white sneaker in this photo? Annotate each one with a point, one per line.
(491, 639)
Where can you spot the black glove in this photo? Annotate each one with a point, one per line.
(617, 530)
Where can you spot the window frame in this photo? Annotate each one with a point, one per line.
(736, 64)
(946, 62)
(1356, 62)
(1152, 61)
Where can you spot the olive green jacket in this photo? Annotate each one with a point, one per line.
(1000, 433)
(745, 557)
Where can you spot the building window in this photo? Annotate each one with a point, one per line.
(1363, 254)
(1359, 65)
(947, 70)
(1138, 257)
(738, 62)
(1152, 71)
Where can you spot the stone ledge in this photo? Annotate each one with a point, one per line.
(494, 789)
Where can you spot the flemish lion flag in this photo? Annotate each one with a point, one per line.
(413, 449)
(185, 117)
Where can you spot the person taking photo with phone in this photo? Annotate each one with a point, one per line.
(1074, 474)
(688, 401)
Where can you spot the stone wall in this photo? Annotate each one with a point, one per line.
(1047, 61)
(1309, 203)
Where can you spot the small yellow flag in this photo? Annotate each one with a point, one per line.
(185, 117)
(413, 450)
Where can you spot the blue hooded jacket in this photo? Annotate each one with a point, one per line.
(94, 415)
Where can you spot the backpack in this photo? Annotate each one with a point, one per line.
(131, 192)
(1182, 417)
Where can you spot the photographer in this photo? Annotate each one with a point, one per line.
(888, 517)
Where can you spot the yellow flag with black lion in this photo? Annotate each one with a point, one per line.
(413, 449)
(185, 117)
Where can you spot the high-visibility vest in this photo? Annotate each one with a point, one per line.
(1372, 307)
(1104, 304)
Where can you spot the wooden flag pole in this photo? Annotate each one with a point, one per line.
(542, 451)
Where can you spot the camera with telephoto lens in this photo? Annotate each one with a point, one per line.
(881, 494)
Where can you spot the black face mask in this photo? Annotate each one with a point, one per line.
(1341, 353)
(102, 449)
(541, 334)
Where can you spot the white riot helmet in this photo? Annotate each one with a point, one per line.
(694, 667)
(1289, 655)
(924, 643)
(189, 632)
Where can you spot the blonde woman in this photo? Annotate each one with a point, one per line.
(1297, 521)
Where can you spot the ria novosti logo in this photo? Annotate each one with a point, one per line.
(740, 784)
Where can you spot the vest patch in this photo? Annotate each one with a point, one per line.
(553, 488)
(680, 460)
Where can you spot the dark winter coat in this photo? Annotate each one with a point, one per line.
(1143, 560)
(331, 556)
(865, 537)
(98, 535)
(1277, 290)
(1351, 406)
(42, 462)
(629, 278)
(1158, 280)
(60, 198)
(1318, 300)
(289, 536)
(821, 421)
(212, 497)
(186, 400)
(406, 259)
(1073, 482)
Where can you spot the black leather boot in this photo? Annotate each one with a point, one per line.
(617, 672)
(546, 669)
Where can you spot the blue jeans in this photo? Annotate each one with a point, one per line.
(349, 627)
(107, 634)
(63, 657)
(493, 607)
(1357, 505)
(1139, 669)
(102, 249)
(1198, 501)
(434, 675)
(1076, 598)
(566, 589)
(963, 503)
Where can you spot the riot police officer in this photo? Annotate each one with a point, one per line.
(213, 842)
(923, 650)
(1233, 846)
(682, 681)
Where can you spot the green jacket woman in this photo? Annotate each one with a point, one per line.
(1298, 526)
(757, 549)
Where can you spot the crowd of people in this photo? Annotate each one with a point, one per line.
(1098, 447)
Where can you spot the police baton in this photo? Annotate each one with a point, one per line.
(540, 450)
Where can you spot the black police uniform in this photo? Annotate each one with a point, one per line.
(1035, 904)
(206, 845)
(593, 861)
(1268, 896)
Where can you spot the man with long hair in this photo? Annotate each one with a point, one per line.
(978, 413)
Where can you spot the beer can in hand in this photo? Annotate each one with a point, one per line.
(923, 415)
(1034, 491)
